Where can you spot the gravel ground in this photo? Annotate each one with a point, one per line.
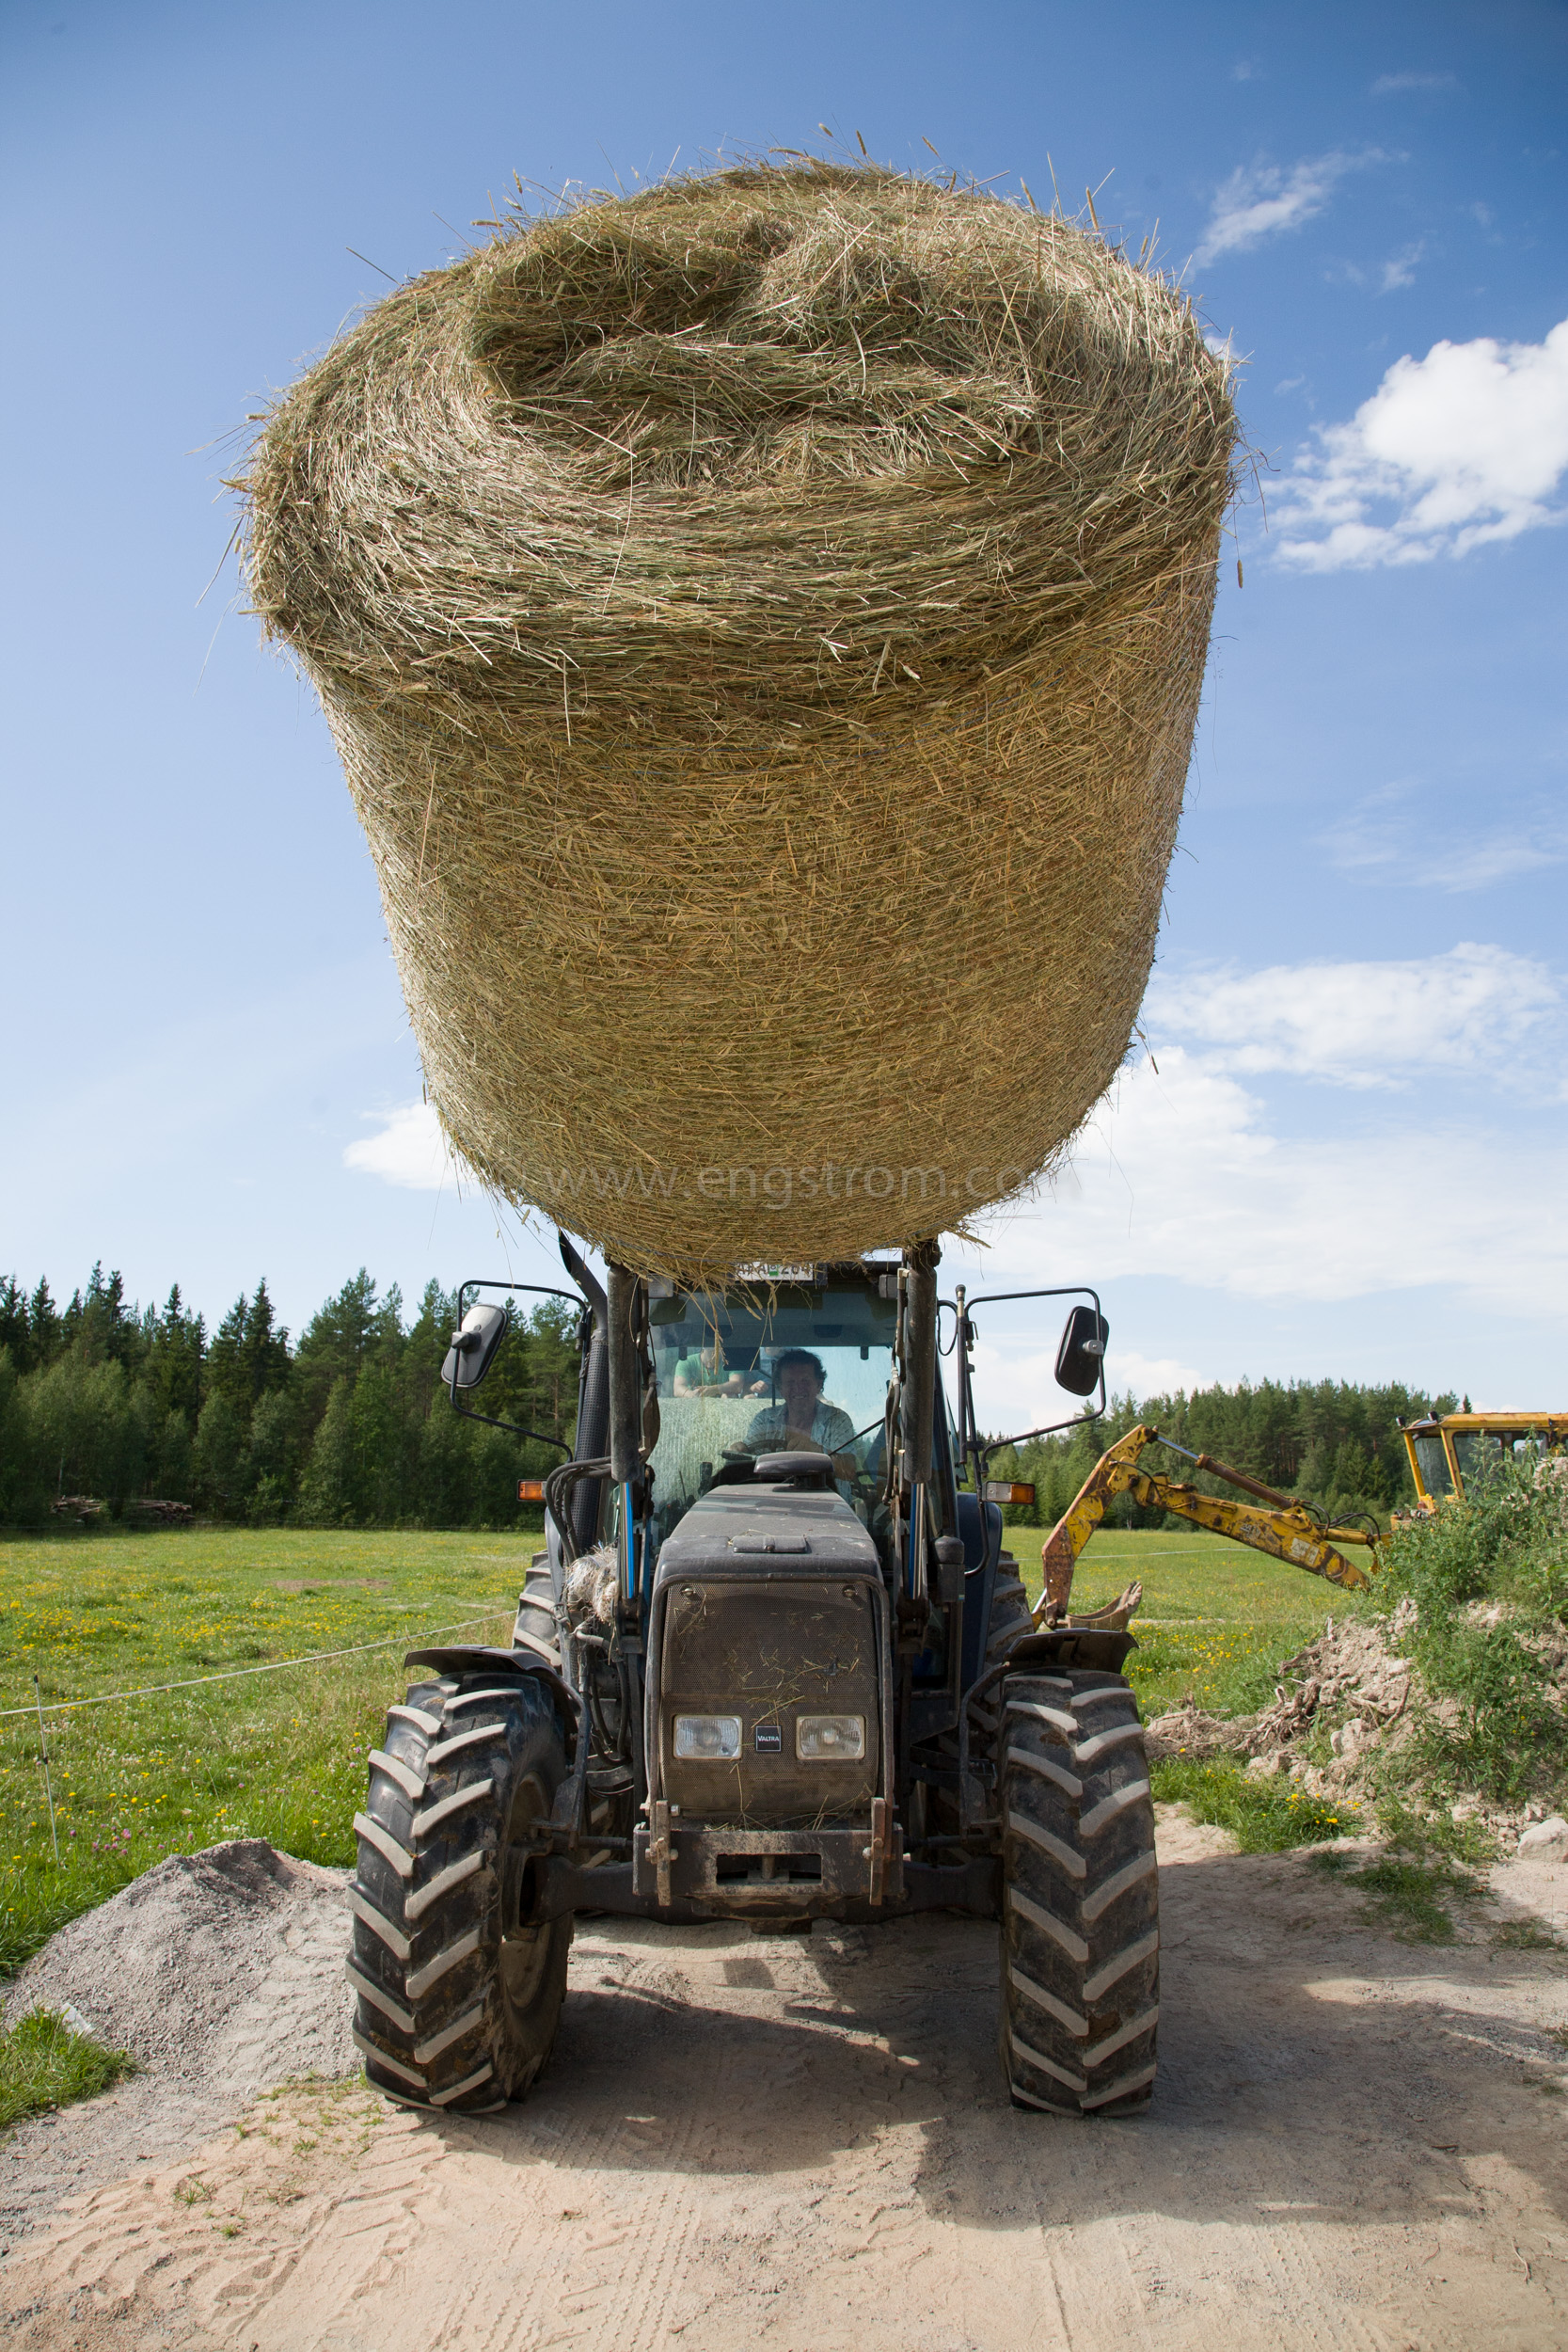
(805, 2143)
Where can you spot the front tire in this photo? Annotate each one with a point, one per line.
(1079, 1929)
(1011, 1617)
(458, 2002)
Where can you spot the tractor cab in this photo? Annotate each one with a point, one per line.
(793, 1358)
(1448, 1449)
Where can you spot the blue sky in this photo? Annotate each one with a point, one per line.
(1350, 1156)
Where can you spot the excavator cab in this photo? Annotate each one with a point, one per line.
(1447, 1451)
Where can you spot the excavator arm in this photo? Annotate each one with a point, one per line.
(1273, 1522)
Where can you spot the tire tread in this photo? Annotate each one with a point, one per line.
(1079, 1931)
(426, 1960)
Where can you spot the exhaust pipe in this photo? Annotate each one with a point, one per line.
(920, 1384)
(626, 1377)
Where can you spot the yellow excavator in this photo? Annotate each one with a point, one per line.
(1446, 1449)
(1281, 1525)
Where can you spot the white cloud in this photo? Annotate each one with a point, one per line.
(1265, 199)
(1130, 1371)
(1400, 270)
(1463, 447)
(1391, 84)
(410, 1149)
(1390, 841)
(1478, 1010)
(1178, 1175)
(1015, 1389)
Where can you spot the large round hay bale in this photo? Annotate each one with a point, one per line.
(762, 620)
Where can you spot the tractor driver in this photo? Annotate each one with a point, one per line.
(803, 1422)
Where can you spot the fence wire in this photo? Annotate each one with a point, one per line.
(233, 1673)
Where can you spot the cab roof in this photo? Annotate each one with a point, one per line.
(1497, 1425)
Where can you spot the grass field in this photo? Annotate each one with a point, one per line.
(1215, 1618)
(44, 2065)
(282, 1754)
(1215, 1623)
(277, 1755)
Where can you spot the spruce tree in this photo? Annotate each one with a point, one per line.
(13, 1323)
(225, 1375)
(172, 1366)
(328, 1492)
(43, 1329)
(335, 1343)
(263, 1358)
(220, 1464)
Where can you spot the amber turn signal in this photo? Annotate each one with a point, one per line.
(1013, 1490)
(531, 1491)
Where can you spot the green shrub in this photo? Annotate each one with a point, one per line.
(1418, 1874)
(1504, 1544)
(1409, 1894)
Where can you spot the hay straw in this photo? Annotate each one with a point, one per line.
(761, 621)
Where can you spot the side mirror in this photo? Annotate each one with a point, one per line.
(473, 1347)
(1081, 1352)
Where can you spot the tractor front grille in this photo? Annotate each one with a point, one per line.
(763, 1653)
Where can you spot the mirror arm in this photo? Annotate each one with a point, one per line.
(515, 1428)
(1051, 1429)
(477, 1282)
(484, 1282)
(969, 1436)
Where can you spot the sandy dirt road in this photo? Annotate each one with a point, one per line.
(805, 2143)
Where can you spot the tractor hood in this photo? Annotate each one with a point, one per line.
(761, 1528)
(767, 1703)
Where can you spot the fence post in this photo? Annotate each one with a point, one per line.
(43, 1745)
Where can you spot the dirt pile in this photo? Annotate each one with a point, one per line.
(1349, 1703)
(222, 1970)
(1350, 1682)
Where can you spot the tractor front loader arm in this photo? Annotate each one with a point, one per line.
(1279, 1526)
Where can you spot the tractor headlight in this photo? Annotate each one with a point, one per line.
(830, 1739)
(712, 1738)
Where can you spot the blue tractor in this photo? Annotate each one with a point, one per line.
(772, 1664)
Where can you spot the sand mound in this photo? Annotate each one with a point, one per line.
(221, 1969)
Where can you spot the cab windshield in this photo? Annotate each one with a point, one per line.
(1478, 1453)
(743, 1373)
(1435, 1466)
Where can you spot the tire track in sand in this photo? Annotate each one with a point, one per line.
(785, 2143)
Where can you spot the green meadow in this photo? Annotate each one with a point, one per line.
(1215, 1618)
(282, 1753)
(277, 1755)
(1215, 1623)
